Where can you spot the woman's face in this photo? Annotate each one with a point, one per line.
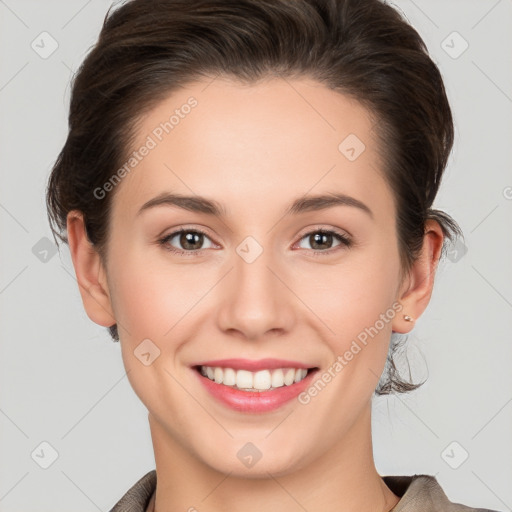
(262, 282)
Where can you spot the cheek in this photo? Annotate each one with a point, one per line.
(149, 302)
(138, 300)
(152, 294)
(356, 302)
(351, 295)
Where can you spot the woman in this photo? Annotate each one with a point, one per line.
(247, 191)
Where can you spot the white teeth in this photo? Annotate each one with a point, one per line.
(277, 378)
(243, 378)
(229, 378)
(217, 374)
(300, 373)
(289, 376)
(262, 380)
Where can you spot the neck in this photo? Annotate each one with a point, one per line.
(343, 478)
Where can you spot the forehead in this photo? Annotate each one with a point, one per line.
(247, 144)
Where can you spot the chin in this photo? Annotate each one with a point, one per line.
(260, 470)
(249, 461)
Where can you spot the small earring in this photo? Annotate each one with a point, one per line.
(408, 318)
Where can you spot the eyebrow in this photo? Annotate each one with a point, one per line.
(302, 204)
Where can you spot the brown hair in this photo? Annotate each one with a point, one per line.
(361, 48)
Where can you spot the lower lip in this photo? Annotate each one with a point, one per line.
(255, 401)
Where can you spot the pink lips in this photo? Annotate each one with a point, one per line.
(254, 401)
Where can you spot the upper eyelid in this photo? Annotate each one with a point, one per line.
(317, 228)
(313, 229)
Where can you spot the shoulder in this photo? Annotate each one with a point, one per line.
(423, 493)
(137, 497)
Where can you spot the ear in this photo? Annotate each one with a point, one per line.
(417, 288)
(90, 274)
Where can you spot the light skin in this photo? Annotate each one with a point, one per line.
(254, 150)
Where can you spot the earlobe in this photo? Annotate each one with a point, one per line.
(415, 295)
(89, 271)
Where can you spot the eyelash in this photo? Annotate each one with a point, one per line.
(345, 240)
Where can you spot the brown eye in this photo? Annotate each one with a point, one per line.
(323, 240)
(186, 241)
(191, 240)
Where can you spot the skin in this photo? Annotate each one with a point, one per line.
(255, 149)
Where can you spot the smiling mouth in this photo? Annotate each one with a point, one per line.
(262, 380)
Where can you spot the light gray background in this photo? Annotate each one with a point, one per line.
(62, 379)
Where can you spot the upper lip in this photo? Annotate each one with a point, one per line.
(251, 365)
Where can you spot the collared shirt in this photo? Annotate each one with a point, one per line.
(417, 493)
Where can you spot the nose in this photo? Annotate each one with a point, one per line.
(256, 299)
